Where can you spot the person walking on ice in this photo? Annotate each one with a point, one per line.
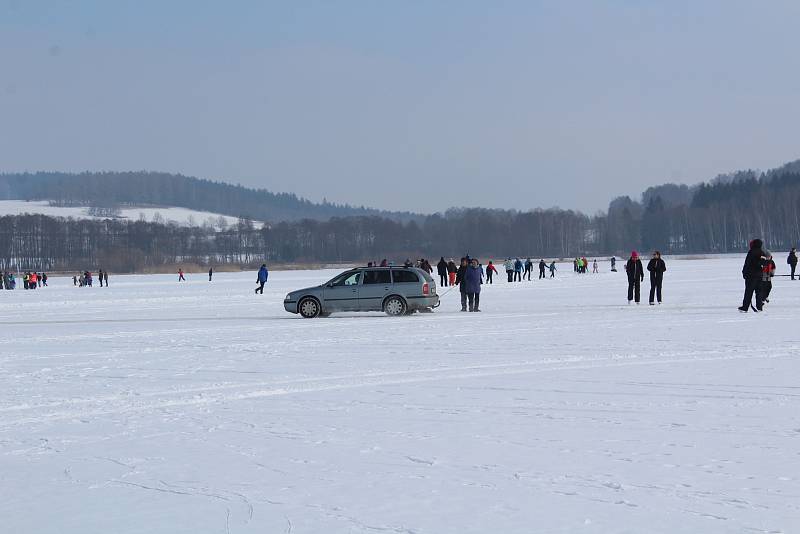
(441, 268)
(657, 267)
(792, 261)
(635, 272)
(509, 265)
(594, 267)
(181, 278)
(263, 274)
(490, 272)
(767, 272)
(752, 272)
(553, 269)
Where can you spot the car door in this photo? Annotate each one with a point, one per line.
(407, 283)
(377, 284)
(341, 293)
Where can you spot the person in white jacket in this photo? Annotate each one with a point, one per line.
(509, 265)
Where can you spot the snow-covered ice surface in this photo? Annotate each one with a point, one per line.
(181, 216)
(158, 407)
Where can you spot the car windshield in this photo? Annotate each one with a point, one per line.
(349, 278)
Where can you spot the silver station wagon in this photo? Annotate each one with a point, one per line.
(394, 290)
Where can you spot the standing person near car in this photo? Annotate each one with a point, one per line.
(751, 272)
(473, 278)
(462, 286)
(263, 274)
(441, 269)
(490, 272)
(635, 272)
(792, 261)
(657, 267)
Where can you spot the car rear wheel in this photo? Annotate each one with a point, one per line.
(394, 306)
(309, 308)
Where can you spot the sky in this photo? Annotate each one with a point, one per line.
(409, 105)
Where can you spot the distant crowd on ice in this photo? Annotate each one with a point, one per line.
(30, 280)
(469, 274)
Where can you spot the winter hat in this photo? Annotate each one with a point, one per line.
(634, 254)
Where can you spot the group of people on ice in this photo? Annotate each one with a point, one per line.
(635, 271)
(30, 280)
(758, 271)
(518, 270)
(581, 266)
(86, 279)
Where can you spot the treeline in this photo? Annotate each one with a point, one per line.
(721, 216)
(724, 216)
(120, 189)
(48, 243)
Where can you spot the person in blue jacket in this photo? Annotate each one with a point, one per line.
(472, 285)
(263, 274)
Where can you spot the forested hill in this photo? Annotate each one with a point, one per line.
(119, 189)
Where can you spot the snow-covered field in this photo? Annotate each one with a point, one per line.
(154, 407)
(182, 216)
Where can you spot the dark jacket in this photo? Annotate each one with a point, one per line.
(462, 270)
(472, 279)
(441, 267)
(792, 259)
(656, 266)
(752, 263)
(635, 270)
(452, 267)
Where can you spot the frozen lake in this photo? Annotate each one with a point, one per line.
(158, 407)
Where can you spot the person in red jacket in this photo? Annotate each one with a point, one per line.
(181, 278)
(767, 272)
(490, 271)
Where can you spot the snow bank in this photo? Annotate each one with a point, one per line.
(182, 216)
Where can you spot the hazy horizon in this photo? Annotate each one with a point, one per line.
(409, 107)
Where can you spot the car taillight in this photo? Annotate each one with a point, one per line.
(426, 288)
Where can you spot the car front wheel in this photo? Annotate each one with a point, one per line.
(394, 306)
(309, 308)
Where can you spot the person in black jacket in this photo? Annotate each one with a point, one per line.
(635, 272)
(792, 261)
(656, 266)
(441, 268)
(751, 272)
(462, 270)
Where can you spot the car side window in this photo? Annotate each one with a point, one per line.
(347, 279)
(403, 276)
(377, 277)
